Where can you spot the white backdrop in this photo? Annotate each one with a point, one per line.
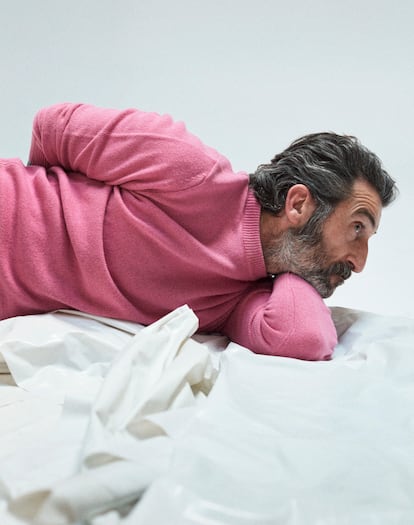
(246, 76)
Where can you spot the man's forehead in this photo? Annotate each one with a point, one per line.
(365, 201)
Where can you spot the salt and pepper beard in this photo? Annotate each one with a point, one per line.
(305, 254)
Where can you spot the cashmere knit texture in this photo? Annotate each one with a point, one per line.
(126, 214)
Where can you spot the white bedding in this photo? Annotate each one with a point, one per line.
(111, 423)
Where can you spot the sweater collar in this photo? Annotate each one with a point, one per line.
(251, 238)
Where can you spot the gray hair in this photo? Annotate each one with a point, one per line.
(328, 164)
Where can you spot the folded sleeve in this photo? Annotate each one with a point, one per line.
(131, 148)
(289, 319)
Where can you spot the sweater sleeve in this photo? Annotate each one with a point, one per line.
(289, 320)
(132, 148)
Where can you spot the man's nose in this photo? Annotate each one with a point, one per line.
(358, 258)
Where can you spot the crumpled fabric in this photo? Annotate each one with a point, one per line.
(288, 442)
(149, 392)
(277, 441)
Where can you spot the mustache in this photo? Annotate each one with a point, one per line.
(342, 269)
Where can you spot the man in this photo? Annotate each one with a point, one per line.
(125, 214)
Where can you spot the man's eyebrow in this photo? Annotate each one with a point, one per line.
(369, 215)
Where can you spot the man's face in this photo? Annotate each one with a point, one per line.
(328, 257)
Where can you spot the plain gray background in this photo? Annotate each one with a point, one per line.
(248, 77)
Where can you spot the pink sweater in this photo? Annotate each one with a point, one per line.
(125, 214)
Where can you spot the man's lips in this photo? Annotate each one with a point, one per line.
(337, 280)
(340, 272)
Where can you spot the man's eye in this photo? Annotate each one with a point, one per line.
(358, 228)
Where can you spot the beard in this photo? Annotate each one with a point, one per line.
(305, 254)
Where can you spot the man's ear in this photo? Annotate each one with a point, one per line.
(299, 205)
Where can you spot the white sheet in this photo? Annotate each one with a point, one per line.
(108, 427)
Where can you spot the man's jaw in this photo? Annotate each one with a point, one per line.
(325, 281)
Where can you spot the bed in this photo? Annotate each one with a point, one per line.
(105, 422)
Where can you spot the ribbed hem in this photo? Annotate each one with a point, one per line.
(251, 238)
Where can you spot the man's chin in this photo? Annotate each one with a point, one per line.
(329, 290)
(325, 288)
(323, 284)
(325, 294)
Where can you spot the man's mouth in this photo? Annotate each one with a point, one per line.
(337, 280)
(342, 271)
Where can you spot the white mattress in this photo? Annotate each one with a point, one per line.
(111, 423)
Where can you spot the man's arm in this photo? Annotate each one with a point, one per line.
(132, 148)
(291, 321)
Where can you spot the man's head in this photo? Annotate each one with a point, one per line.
(321, 200)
